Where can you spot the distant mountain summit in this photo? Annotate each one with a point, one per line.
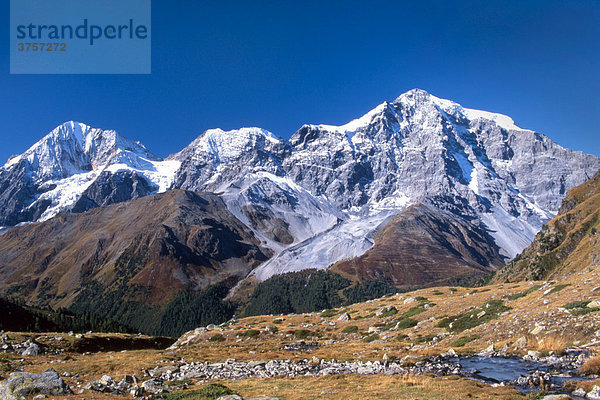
(71, 161)
(322, 195)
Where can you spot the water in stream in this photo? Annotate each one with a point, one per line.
(508, 370)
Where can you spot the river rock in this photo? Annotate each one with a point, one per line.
(26, 384)
(106, 380)
(537, 329)
(135, 391)
(263, 398)
(153, 386)
(449, 354)
(33, 349)
(213, 327)
(533, 354)
(594, 394)
(579, 392)
(489, 352)
(344, 317)
(521, 343)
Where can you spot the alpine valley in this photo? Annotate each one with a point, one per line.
(417, 192)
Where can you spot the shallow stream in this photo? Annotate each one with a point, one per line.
(515, 371)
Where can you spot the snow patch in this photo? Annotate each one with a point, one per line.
(161, 173)
(465, 166)
(504, 121)
(347, 239)
(398, 201)
(304, 214)
(351, 127)
(451, 107)
(511, 234)
(66, 193)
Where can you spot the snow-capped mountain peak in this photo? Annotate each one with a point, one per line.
(355, 124)
(230, 144)
(56, 155)
(75, 161)
(322, 194)
(418, 97)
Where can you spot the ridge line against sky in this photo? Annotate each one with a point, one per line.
(278, 65)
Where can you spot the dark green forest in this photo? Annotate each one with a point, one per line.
(96, 310)
(311, 290)
(18, 317)
(189, 310)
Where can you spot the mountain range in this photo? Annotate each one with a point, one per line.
(417, 191)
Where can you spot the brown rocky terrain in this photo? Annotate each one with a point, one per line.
(129, 259)
(425, 246)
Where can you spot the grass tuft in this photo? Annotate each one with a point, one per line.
(470, 319)
(371, 338)
(389, 313)
(329, 313)
(208, 392)
(217, 337)
(524, 292)
(350, 329)
(252, 333)
(464, 340)
(303, 333)
(577, 308)
(591, 366)
(556, 289)
(406, 323)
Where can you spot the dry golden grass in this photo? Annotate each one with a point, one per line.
(571, 386)
(355, 387)
(552, 342)
(591, 366)
(561, 330)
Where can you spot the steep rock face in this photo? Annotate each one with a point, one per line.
(110, 188)
(568, 244)
(423, 245)
(217, 158)
(54, 173)
(140, 251)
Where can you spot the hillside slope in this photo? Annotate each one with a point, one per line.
(569, 243)
(425, 246)
(127, 261)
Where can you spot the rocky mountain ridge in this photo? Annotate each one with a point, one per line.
(322, 195)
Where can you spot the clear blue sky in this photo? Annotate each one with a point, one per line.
(279, 64)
